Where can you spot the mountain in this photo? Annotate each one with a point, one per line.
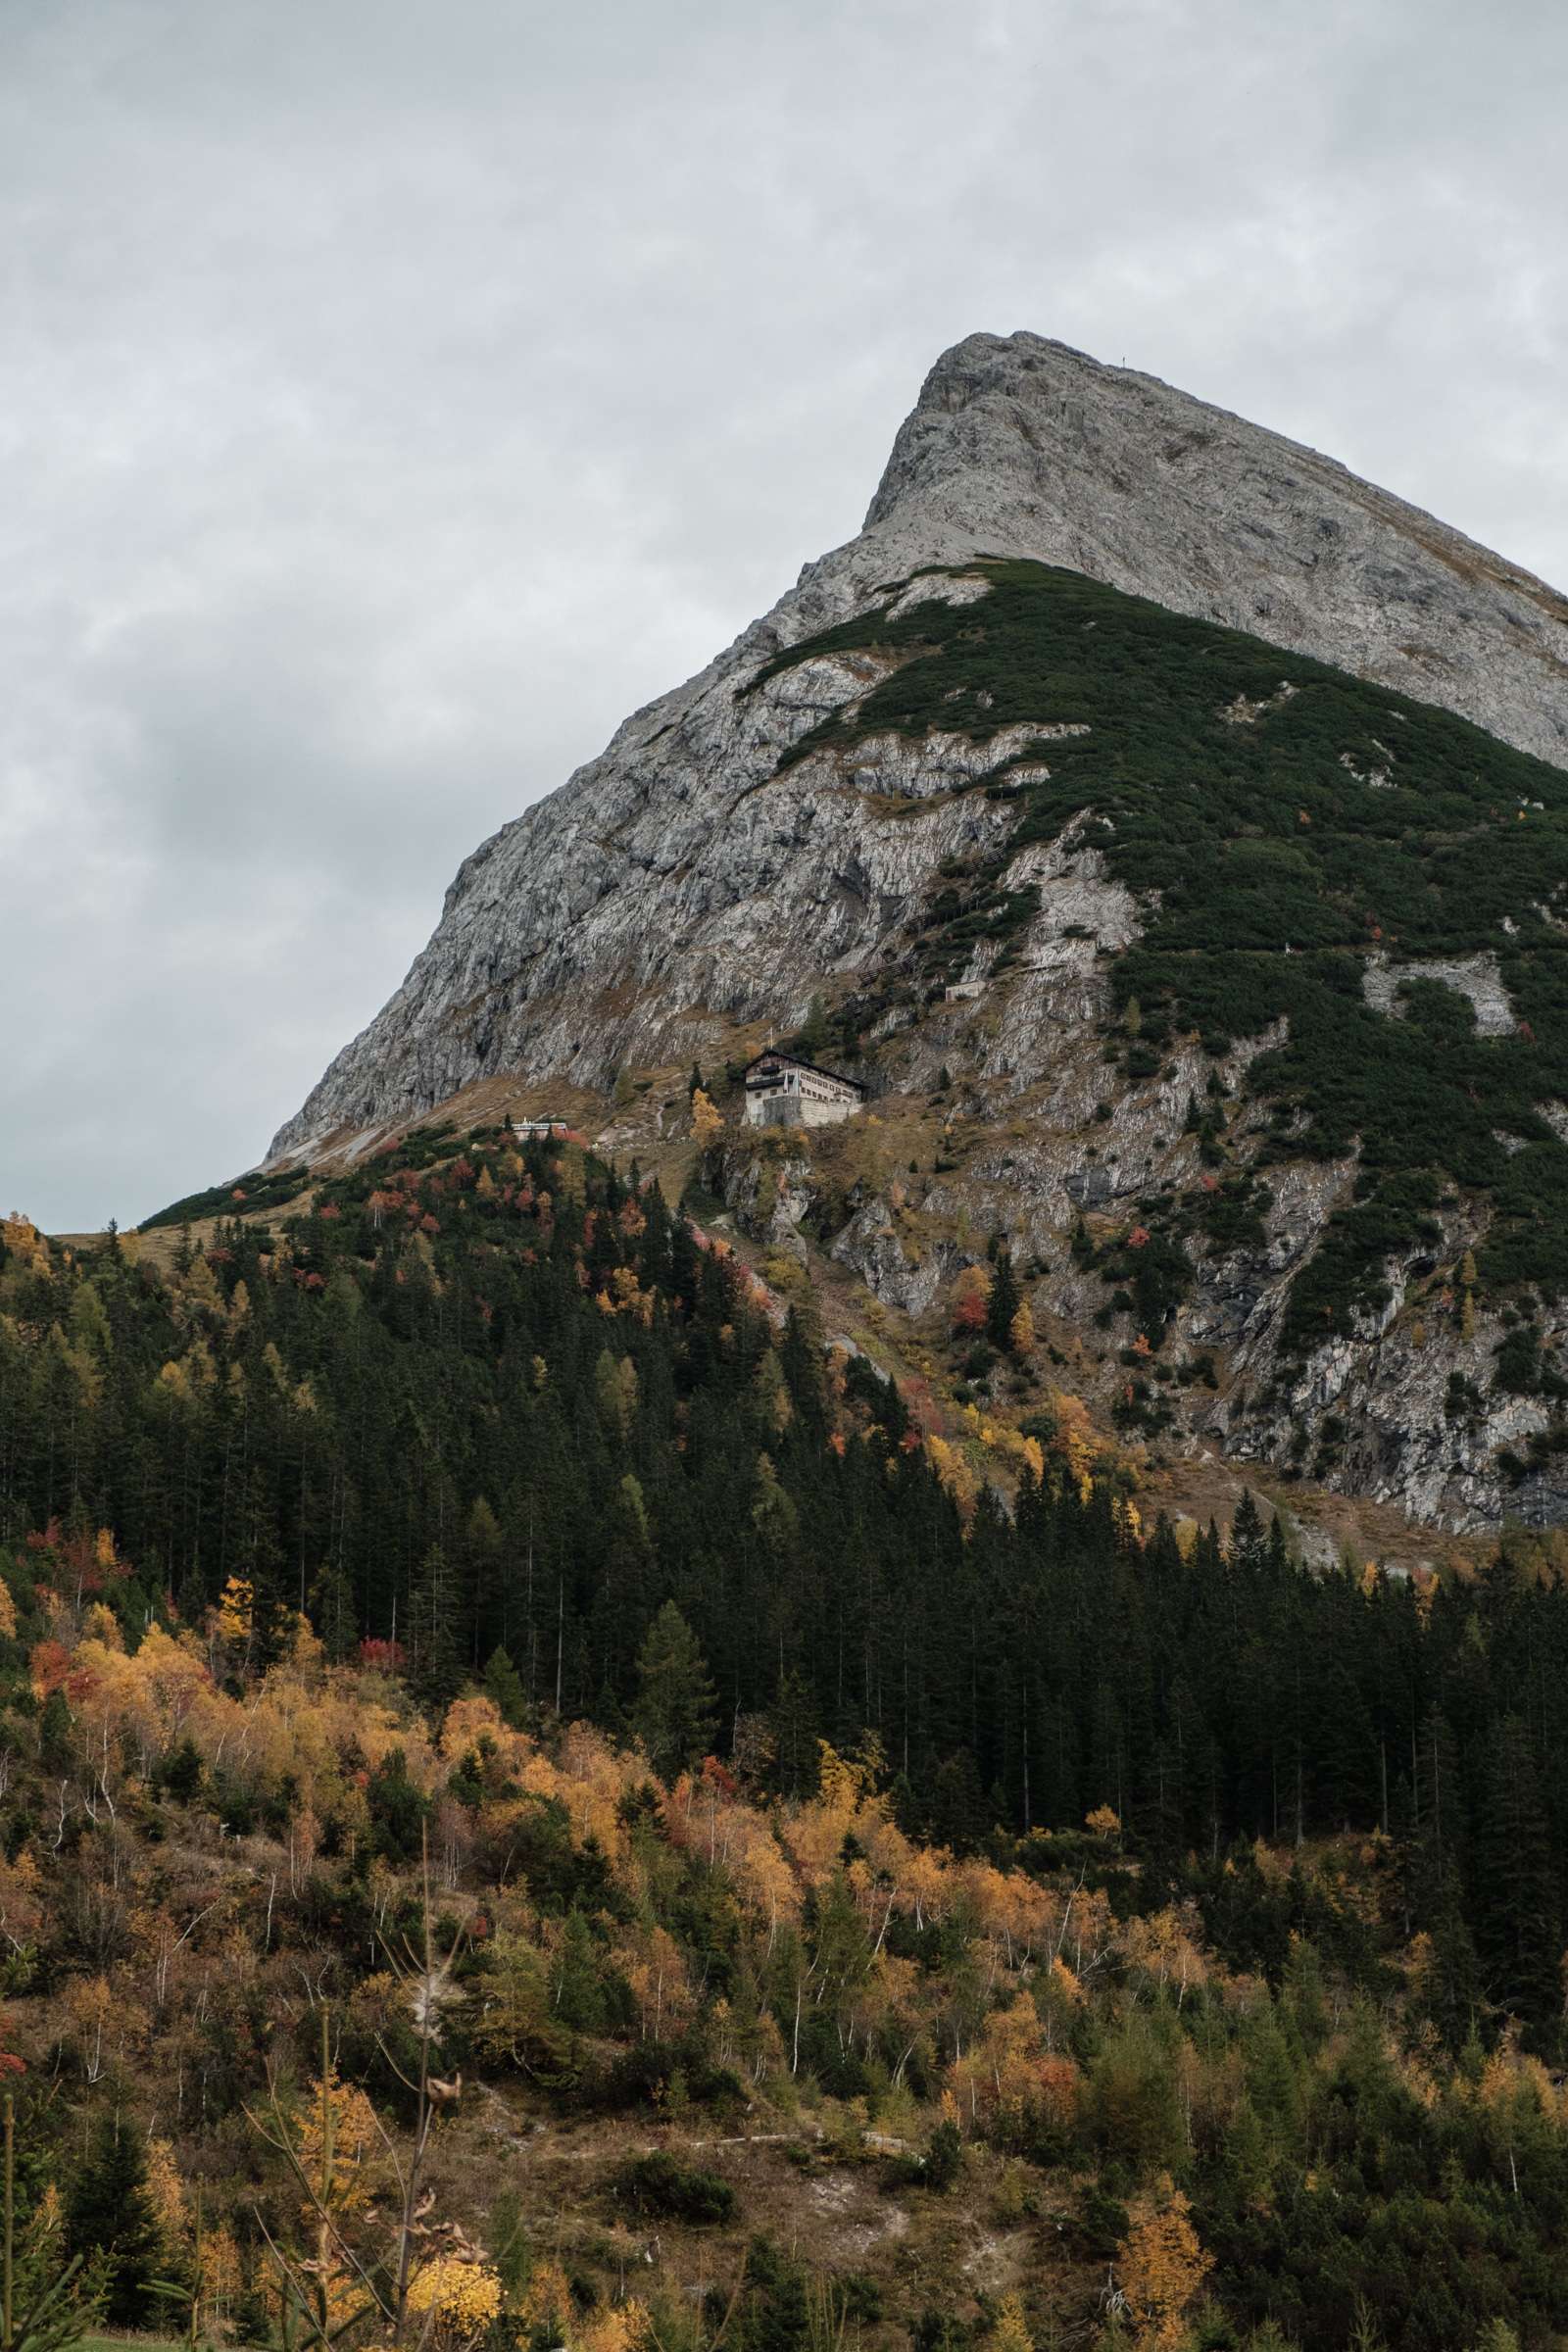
(1236, 784)
(657, 876)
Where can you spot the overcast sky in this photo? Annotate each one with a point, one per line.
(395, 393)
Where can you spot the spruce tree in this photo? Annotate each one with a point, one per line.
(793, 1720)
(111, 2214)
(1248, 1546)
(1004, 1301)
(1452, 1988)
(504, 1684)
(674, 1711)
(397, 1808)
(1347, 1773)
(1519, 1912)
(480, 1564)
(576, 1995)
(333, 1613)
(959, 1814)
(435, 1654)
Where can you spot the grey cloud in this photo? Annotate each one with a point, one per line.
(397, 393)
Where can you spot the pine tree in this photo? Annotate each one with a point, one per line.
(1004, 1301)
(1452, 1988)
(332, 1611)
(674, 1711)
(111, 2210)
(1518, 1914)
(504, 1684)
(1249, 1546)
(794, 1725)
(435, 1650)
(576, 1995)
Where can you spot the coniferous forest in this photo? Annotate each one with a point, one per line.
(527, 1779)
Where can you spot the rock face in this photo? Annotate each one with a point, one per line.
(673, 880)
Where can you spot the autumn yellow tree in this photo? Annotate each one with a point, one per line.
(165, 2194)
(236, 1612)
(1161, 2267)
(957, 1474)
(338, 2137)
(22, 1244)
(1074, 1440)
(1010, 2333)
(460, 2298)
(706, 1124)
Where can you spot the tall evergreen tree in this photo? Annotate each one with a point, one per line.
(504, 1684)
(1003, 1305)
(435, 1652)
(675, 1714)
(1248, 1546)
(1519, 1907)
(111, 2214)
(1452, 1995)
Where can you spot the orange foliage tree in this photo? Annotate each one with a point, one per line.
(1162, 2268)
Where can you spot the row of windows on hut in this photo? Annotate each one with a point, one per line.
(782, 1091)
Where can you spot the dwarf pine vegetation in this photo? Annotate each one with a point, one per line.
(1288, 822)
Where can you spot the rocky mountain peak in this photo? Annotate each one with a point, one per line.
(1022, 445)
